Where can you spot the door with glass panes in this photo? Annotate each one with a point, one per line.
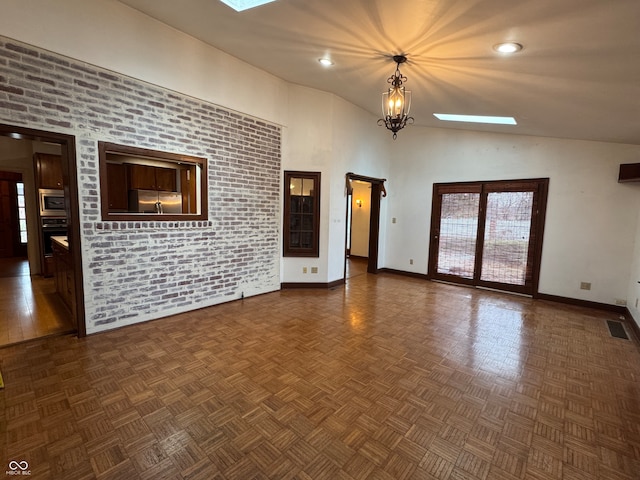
(488, 233)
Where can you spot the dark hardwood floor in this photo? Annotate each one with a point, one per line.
(386, 378)
(356, 266)
(29, 305)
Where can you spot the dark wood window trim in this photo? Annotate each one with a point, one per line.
(293, 217)
(106, 148)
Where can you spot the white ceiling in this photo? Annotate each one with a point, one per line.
(578, 75)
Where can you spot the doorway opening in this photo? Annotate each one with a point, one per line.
(489, 234)
(362, 224)
(31, 301)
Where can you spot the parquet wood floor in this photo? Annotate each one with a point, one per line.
(386, 378)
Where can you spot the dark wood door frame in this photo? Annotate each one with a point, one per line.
(540, 187)
(377, 192)
(70, 180)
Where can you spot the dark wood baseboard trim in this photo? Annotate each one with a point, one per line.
(357, 257)
(581, 303)
(632, 323)
(542, 296)
(290, 285)
(403, 273)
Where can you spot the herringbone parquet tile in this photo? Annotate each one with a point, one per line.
(388, 378)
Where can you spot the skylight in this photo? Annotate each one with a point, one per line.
(240, 5)
(448, 117)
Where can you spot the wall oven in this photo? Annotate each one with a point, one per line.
(51, 203)
(52, 227)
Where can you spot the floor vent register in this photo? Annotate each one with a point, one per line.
(616, 329)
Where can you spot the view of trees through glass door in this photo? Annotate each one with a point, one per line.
(488, 233)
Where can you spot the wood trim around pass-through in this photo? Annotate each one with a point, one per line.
(105, 148)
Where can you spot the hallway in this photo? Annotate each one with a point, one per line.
(29, 305)
(355, 266)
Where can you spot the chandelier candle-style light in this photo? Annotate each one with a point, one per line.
(396, 102)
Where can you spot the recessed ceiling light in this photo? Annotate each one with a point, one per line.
(448, 117)
(326, 62)
(240, 5)
(507, 47)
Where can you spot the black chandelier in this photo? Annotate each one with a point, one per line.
(396, 102)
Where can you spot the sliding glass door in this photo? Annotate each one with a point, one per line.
(488, 233)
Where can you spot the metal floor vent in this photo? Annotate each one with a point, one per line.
(616, 329)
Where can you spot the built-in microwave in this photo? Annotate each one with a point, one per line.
(52, 203)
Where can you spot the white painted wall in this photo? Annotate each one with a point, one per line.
(324, 133)
(360, 219)
(633, 291)
(321, 132)
(307, 147)
(591, 222)
(360, 146)
(112, 35)
(591, 219)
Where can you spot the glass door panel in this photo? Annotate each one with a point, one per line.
(507, 227)
(488, 233)
(458, 232)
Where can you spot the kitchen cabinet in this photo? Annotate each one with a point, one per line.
(145, 177)
(117, 187)
(63, 273)
(49, 170)
(629, 172)
(166, 179)
(141, 177)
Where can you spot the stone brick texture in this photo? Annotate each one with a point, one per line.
(141, 270)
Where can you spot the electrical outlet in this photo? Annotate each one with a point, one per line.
(314, 269)
(304, 269)
(411, 261)
(393, 220)
(585, 285)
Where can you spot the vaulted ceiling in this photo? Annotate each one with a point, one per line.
(578, 75)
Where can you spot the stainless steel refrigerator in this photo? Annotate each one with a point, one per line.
(151, 201)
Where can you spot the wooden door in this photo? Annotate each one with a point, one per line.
(6, 233)
(9, 231)
(488, 233)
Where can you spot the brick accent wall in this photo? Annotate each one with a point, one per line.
(137, 271)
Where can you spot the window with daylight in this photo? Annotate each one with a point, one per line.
(489, 234)
(22, 213)
(301, 214)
